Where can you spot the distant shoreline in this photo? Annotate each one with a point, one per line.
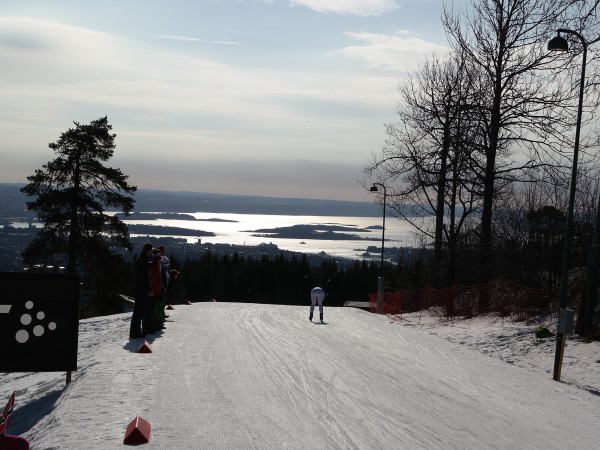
(167, 216)
(149, 200)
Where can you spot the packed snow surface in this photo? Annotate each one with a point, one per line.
(251, 376)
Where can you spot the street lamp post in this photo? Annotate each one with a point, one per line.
(380, 286)
(560, 44)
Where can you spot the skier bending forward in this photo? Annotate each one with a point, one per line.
(317, 295)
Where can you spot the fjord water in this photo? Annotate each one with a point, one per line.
(237, 229)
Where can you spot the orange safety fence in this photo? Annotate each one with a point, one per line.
(391, 303)
(502, 296)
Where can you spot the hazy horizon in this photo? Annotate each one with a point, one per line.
(371, 200)
(159, 200)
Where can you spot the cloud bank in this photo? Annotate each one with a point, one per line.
(349, 7)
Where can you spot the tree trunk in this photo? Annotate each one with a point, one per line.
(73, 226)
(439, 270)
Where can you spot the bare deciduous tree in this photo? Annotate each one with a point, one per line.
(430, 153)
(525, 127)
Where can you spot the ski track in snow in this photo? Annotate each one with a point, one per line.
(247, 376)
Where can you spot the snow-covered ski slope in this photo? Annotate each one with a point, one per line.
(250, 376)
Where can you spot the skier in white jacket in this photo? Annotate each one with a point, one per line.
(317, 295)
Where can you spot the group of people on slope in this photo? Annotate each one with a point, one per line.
(154, 280)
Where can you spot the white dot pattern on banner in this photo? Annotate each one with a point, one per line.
(23, 335)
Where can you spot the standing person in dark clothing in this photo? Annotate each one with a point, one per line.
(174, 289)
(149, 324)
(161, 300)
(142, 290)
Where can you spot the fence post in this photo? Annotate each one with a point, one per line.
(379, 309)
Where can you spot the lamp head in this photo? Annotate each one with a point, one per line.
(373, 189)
(558, 44)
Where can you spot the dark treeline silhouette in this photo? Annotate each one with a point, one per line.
(275, 280)
(281, 279)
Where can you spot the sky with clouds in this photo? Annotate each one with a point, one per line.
(284, 98)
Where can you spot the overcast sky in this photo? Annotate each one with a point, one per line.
(284, 98)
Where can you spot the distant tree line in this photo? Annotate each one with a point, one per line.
(281, 279)
(277, 280)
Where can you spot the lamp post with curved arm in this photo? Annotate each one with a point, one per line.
(560, 44)
(380, 285)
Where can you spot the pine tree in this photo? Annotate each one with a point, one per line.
(71, 196)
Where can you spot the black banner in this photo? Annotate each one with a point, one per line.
(39, 322)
